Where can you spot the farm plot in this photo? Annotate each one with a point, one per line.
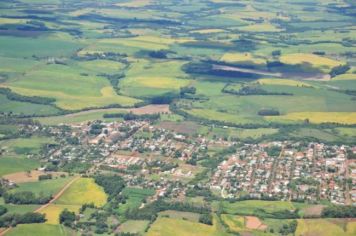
(10, 165)
(326, 227)
(62, 83)
(145, 78)
(175, 227)
(82, 191)
(251, 207)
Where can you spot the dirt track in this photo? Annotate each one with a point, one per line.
(58, 195)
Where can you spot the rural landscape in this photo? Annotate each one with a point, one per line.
(177, 118)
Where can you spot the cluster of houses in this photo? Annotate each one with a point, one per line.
(296, 171)
(300, 172)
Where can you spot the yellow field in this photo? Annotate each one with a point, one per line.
(53, 211)
(208, 31)
(286, 82)
(313, 60)
(73, 102)
(82, 191)
(130, 45)
(155, 75)
(235, 223)
(345, 77)
(323, 227)
(134, 3)
(241, 57)
(102, 66)
(4, 21)
(318, 117)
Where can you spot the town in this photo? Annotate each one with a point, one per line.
(147, 155)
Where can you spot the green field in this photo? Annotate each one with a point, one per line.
(327, 227)
(176, 227)
(12, 164)
(25, 146)
(134, 226)
(135, 197)
(37, 229)
(251, 207)
(46, 187)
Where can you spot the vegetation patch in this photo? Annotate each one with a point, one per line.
(82, 191)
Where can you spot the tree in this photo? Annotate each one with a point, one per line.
(67, 218)
(206, 219)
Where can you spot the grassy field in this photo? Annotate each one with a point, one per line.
(10, 165)
(134, 226)
(38, 230)
(79, 117)
(241, 58)
(316, 61)
(326, 227)
(82, 191)
(193, 217)
(46, 187)
(175, 227)
(94, 91)
(235, 223)
(54, 210)
(22, 146)
(25, 108)
(251, 206)
(145, 78)
(19, 209)
(318, 117)
(135, 197)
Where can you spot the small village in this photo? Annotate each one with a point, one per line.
(147, 155)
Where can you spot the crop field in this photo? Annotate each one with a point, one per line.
(135, 197)
(22, 146)
(241, 57)
(319, 117)
(235, 223)
(25, 108)
(314, 60)
(38, 229)
(250, 207)
(222, 74)
(326, 227)
(193, 217)
(175, 227)
(46, 187)
(134, 226)
(13, 164)
(82, 191)
(54, 210)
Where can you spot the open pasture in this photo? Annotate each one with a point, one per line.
(318, 117)
(134, 226)
(175, 227)
(54, 210)
(94, 91)
(38, 230)
(326, 227)
(46, 187)
(11, 164)
(97, 114)
(250, 207)
(323, 63)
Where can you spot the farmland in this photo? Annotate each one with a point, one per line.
(165, 118)
(78, 193)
